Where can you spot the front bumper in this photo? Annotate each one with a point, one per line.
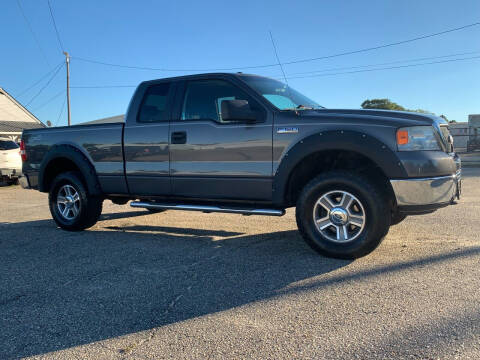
(425, 195)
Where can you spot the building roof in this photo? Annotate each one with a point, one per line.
(17, 126)
(14, 117)
(108, 120)
(458, 125)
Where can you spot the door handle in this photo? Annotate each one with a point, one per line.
(179, 137)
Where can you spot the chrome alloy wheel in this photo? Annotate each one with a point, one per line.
(339, 216)
(68, 202)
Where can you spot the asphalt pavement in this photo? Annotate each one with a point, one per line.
(180, 285)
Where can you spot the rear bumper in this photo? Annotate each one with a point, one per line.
(10, 173)
(416, 196)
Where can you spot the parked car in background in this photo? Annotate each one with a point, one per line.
(10, 161)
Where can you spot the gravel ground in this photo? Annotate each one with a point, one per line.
(191, 285)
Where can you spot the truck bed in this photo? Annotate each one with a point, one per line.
(101, 144)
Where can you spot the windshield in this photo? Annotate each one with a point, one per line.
(8, 145)
(280, 95)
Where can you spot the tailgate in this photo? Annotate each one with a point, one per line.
(10, 159)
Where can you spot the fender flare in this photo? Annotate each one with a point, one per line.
(341, 140)
(73, 154)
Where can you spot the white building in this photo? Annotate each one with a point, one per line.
(14, 118)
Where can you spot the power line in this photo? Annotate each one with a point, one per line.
(44, 86)
(302, 77)
(61, 111)
(102, 86)
(21, 93)
(385, 68)
(55, 26)
(50, 100)
(385, 45)
(142, 67)
(306, 72)
(33, 33)
(385, 63)
(288, 62)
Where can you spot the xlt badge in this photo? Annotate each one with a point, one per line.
(287, 130)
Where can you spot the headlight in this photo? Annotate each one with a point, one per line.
(417, 138)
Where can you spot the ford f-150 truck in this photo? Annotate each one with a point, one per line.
(250, 145)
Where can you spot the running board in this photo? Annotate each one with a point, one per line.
(207, 208)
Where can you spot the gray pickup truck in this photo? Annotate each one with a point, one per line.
(246, 144)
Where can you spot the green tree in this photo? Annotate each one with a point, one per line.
(421, 111)
(382, 104)
(387, 104)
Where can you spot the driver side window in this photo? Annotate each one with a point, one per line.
(203, 99)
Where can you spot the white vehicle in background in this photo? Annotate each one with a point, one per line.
(10, 161)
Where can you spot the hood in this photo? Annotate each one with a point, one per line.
(396, 118)
(379, 117)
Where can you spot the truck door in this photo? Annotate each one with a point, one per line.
(212, 158)
(146, 140)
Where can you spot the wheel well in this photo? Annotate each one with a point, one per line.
(318, 162)
(56, 167)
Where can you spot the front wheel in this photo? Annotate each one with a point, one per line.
(71, 206)
(342, 215)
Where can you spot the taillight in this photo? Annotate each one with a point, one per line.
(23, 153)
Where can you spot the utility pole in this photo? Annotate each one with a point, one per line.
(67, 60)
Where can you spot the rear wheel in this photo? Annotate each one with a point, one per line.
(71, 206)
(342, 215)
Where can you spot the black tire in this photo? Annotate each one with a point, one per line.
(368, 199)
(88, 208)
(397, 218)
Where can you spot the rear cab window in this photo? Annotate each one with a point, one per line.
(155, 104)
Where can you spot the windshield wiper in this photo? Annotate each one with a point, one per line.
(304, 107)
(300, 107)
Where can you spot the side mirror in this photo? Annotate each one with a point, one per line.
(237, 110)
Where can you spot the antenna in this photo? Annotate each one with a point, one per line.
(281, 67)
(278, 59)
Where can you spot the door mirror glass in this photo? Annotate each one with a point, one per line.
(237, 110)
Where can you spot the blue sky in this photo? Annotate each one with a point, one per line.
(218, 34)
